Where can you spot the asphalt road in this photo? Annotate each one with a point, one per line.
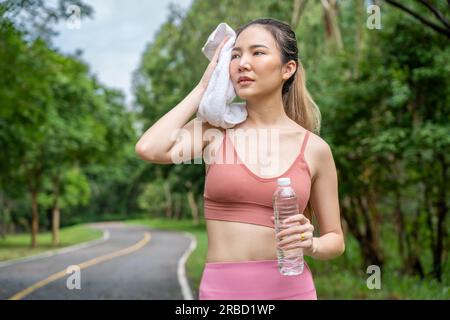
(134, 263)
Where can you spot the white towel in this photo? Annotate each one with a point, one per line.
(216, 106)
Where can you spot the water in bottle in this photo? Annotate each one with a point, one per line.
(285, 204)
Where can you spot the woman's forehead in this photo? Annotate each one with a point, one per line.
(254, 35)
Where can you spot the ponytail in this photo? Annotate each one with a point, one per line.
(298, 103)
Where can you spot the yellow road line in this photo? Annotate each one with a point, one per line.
(84, 265)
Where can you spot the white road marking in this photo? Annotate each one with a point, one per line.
(181, 270)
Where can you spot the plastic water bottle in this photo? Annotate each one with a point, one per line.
(285, 204)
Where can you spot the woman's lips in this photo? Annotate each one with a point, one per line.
(245, 82)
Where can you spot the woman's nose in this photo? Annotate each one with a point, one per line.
(244, 62)
(243, 65)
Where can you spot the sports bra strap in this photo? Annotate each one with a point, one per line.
(305, 140)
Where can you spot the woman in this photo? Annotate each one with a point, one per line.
(241, 261)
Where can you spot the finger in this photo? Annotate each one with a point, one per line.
(289, 240)
(219, 48)
(297, 218)
(224, 40)
(295, 238)
(272, 218)
(292, 230)
(298, 245)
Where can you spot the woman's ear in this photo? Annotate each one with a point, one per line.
(289, 69)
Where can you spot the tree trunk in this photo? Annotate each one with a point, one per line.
(3, 209)
(400, 224)
(168, 197)
(193, 206)
(407, 239)
(33, 176)
(56, 211)
(414, 265)
(429, 213)
(299, 8)
(352, 209)
(192, 202)
(359, 38)
(34, 218)
(332, 29)
(399, 215)
(442, 210)
(372, 251)
(177, 200)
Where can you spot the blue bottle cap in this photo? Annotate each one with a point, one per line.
(286, 181)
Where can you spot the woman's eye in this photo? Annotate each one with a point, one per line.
(234, 55)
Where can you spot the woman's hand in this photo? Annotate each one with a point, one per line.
(298, 235)
(212, 66)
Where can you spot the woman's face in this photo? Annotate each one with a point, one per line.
(261, 63)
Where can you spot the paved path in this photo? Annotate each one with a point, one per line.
(134, 263)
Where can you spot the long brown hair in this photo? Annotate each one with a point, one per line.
(298, 103)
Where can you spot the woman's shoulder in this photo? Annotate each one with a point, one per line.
(319, 154)
(315, 142)
(316, 150)
(320, 147)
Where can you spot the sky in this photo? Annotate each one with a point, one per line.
(113, 40)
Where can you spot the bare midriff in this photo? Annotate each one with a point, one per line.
(230, 241)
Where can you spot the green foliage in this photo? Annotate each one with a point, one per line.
(56, 120)
(76, 190)
(152, 198)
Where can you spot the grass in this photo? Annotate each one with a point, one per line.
(340, 278)
(18, 246)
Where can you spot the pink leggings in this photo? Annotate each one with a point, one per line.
(254, 280)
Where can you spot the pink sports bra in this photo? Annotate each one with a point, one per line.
(232, 192)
